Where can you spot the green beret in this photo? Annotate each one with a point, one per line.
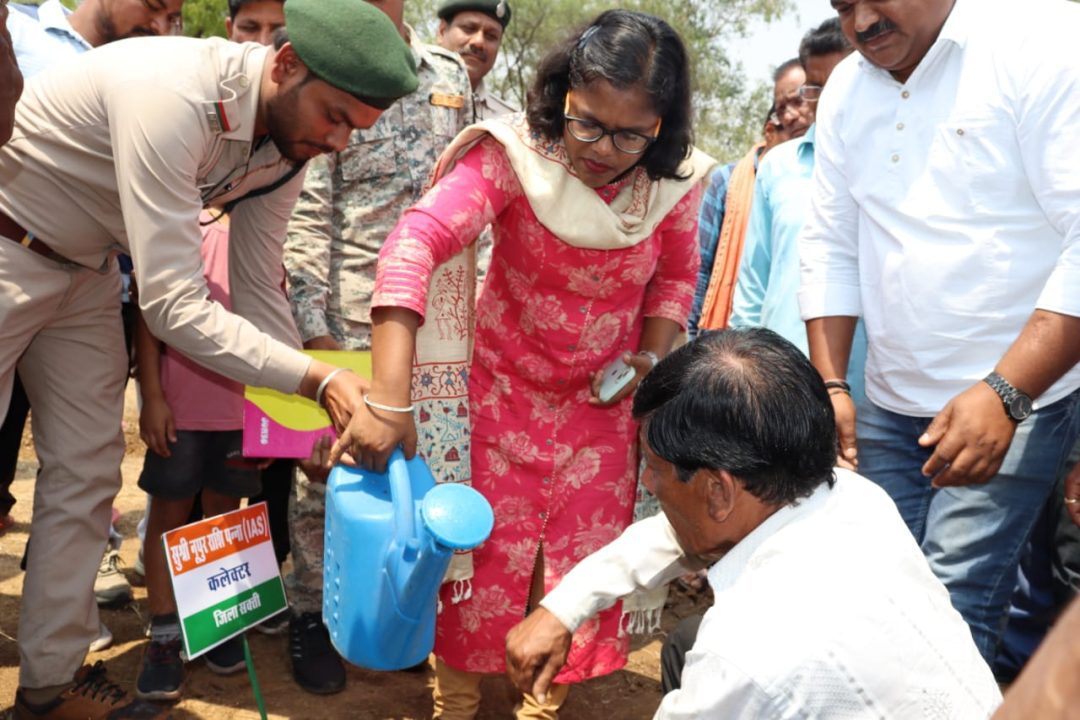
(498, 9)
(353, 46)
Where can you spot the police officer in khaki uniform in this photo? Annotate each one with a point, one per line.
(350, 202)
(474, 29)
(121, 152)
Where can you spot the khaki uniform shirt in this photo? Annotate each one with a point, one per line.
(122, 150)
(489, 106)
(352, 200)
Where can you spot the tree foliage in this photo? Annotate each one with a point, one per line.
(205, 18)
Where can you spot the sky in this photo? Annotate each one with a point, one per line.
(768, 45)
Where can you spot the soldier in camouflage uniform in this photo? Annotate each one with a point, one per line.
(350, 202)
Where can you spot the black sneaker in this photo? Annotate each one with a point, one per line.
(162, 673)
(316, 665)
(227, 658)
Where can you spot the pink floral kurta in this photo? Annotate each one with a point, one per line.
(558, 472)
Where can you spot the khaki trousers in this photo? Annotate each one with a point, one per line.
(457, 697)
(62, 327)
(457, 693)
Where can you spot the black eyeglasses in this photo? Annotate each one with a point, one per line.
(590, 131)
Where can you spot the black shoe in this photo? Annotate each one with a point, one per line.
(316, 665)
(162, 673)
(227, 658)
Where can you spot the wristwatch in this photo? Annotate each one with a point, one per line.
(1017, 404)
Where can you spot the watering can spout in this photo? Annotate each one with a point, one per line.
(452, 517)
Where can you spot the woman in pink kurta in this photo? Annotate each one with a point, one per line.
(594, 260)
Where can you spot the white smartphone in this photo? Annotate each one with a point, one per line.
(616, 376)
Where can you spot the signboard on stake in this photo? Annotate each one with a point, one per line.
(225, 576)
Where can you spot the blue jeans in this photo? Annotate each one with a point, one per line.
(972, 536)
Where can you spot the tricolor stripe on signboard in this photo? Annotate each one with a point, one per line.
(225, 576)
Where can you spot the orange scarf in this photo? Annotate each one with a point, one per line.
(716, 310)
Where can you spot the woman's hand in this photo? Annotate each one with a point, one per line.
(642, 362)
(372, 435)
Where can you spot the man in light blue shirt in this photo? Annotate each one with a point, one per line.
(766, 292)
(51, 34)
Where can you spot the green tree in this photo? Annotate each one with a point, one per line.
(729, 113)
(205, 18)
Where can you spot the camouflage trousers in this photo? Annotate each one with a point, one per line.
(307, 519)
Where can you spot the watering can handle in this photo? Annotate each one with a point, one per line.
(401, 496)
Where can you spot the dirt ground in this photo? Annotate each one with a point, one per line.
(629, 694)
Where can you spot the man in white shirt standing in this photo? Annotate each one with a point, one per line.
(824, 606)
(945, 214)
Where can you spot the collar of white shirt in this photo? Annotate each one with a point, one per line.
(724, 573)
(53, 17)
(956, 30)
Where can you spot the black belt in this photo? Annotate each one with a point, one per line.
(16, 233)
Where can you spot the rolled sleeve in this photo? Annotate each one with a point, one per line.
(829, 243)
(1046, 130)
(647, 555)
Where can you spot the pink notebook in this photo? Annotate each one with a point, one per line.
(286, 426)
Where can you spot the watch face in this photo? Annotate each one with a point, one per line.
(1020, 407)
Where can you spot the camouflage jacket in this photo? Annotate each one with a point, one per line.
(351, 200)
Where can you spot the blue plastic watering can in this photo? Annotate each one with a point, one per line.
(389, 539)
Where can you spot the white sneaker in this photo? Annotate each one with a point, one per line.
(111, 586)
(104, 638)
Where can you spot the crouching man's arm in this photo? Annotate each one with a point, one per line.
(645, 556)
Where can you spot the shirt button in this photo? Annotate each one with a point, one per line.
(905, 94)
(899, 126)
(562, 381)
(959, 131)
(896, 158)
(571, 348)
(548, 442)
(546, 479)
(582, 309)
(243, 81)
(541, 515)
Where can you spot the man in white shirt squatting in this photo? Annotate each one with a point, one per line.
(945, 213)
(824, 604)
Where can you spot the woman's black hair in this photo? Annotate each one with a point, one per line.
(627, 49)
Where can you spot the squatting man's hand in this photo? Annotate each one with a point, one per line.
(536, 649)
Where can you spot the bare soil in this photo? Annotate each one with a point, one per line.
(630, 694)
